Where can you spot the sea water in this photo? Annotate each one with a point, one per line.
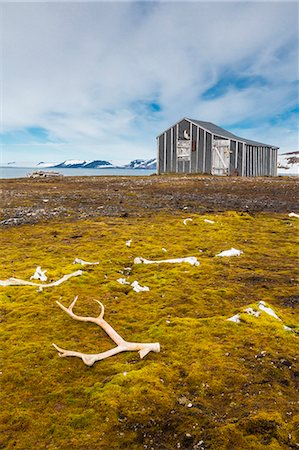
(21, 172)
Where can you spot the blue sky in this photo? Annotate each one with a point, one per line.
(100, 80)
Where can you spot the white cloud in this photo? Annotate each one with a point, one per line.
(80, 70)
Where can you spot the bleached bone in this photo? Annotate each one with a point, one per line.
(268, 310)
(122, 345)
(262, 306)
(164, 250)
(190, 259)
(128, 243)
(137, 288)
(252, 312)
(18, 282)
(39, 274)
(187, 220)
(209, 221)
(292, 214)
(122, 281)
(84, 263)
(231, 252)
(235, 318)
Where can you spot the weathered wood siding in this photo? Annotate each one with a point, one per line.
(208, 154)
(193, 137)
(245, 160)
(259, 161)
(233, 157)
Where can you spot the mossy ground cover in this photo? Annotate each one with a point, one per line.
(214, 385)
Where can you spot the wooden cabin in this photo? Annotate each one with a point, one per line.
(194, 146)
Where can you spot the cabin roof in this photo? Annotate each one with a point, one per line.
(221, 132)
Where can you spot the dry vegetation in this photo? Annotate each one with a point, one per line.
(215, 384)
(31, 200)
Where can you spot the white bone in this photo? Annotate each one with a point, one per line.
(292, 214)
(122, 281)
(137, 288)
(122, 345)
(190, 259)
(84, 263)
(235, 318)
(268, 310)
(209, 221)
(187, 220)
(128, 243)
(39, 274)
(252, 312)
(18, 282)
(231, 252)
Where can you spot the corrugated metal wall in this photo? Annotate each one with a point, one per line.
(245, 160)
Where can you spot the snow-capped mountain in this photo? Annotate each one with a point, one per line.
(142, 164)
(87, 164)
(99, 164)
(288, 163)
(134, 164)
(83, 164)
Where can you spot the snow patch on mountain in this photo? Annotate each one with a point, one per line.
(288, 163)
(142, 164)
(83, 164)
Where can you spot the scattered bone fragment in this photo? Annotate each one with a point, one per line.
(190, 260)
(128, 243)
(187, 220)
(122, 281)
(85, 263)
(209, 221)
(164, 250)
(231, 252)
(235, 318)
(292, 214)
(268, 310)
(18, 282)
(122, 345)
(137, 288)
(39, 274)
(252, 312)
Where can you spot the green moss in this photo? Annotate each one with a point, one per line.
(232, 386)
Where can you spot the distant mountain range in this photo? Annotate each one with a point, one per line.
(79, 164)
(142, 164)
(149, 164)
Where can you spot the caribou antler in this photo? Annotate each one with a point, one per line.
(122, 345)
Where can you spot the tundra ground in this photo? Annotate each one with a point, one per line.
(215, 384)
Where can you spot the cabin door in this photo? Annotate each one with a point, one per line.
(220, 157)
